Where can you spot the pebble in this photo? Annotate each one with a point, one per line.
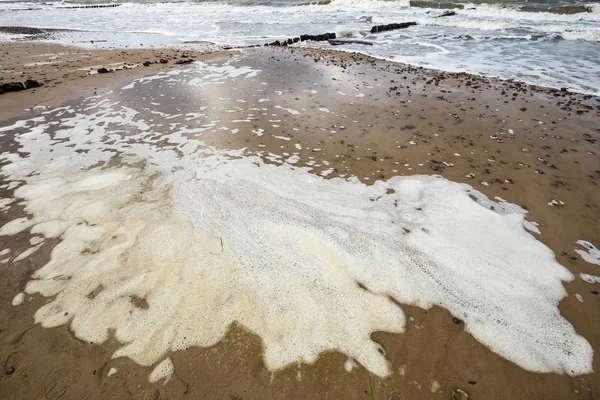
(459, 394)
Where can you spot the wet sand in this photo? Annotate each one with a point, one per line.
(67, 72)
(408, 121)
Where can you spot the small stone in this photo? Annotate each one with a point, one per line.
(102, 70)
(10, 370)
(456, 320)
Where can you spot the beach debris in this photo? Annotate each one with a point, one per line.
(183, 62)
(459, 394)
(102, 70)
(11, 87)
(470, 176)
(31, 84)
(10, 370)
(556, 203)
(391, 27)
(18, 86)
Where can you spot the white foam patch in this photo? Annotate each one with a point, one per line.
(175, 230)
(289, 110)
(349, 365)
(18, 299)
(590, 278)
(591, 254)
(162, 372)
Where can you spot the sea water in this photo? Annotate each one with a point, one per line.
(546, 42)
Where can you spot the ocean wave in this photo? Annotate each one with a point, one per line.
(553, 9)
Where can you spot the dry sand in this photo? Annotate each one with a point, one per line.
(553, 154)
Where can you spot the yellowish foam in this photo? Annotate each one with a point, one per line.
(169, 254)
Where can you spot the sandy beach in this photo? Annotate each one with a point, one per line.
(337, 117)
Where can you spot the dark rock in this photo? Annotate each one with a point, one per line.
(11, 87)
(30, 84)
(10, 370)
(318, 38)
(338, 42)
(146, 63)
(390, 27)
(163, 61)
(102, 70)
(456, 320)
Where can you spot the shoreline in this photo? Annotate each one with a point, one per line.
(130, 60)
(202, 46)
(408, 121)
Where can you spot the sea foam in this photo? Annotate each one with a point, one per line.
(165, 247)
